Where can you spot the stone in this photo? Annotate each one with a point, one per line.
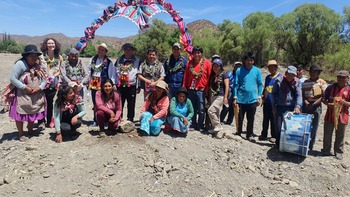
(30, 148)
(127, 127)
(46, 176)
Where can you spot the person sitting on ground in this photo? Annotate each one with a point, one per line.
(154, 110)
(28, 78)
(67, 113)
(219, 86)
(181, 112)
(108, 107)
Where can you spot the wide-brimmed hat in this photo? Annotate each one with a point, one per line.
(272, 63)
(182, 90)
(102, 45)
(343, 73)
(236, 64)
(315, 68)
(31, 49)
(163, 85)
(292, 70)
(178, 45)
(128, 45)
(73, 84)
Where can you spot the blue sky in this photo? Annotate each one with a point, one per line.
(71, 17)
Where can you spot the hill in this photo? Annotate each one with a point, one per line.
(68, 42)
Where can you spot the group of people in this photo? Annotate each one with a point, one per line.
(179, 94)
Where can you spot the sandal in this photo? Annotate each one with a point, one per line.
(101, 134)
(22, 138)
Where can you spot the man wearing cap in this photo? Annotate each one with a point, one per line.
(247, 93)
(127, 66)
(151, 71)
(340, 92)
(174, 69)
(286, 96)
(196, 80)
(268, 117)
(312, 90)
(74, 70)
(100, 68)
(230, 108)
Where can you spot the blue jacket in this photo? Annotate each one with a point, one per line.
(174, 78)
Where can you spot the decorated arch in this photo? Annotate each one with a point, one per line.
(139, 12)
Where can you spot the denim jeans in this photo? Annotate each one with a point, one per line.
(197, 99)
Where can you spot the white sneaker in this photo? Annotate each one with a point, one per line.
(217, 129)
(211, 131)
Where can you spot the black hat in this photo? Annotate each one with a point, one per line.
(31, 49)
(182, 90)
(128, 45)
(315, 68)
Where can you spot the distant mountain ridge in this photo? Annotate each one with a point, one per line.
(68, 42)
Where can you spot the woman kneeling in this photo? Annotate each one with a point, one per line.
(108, 107)
(68, 111)
(154, 110)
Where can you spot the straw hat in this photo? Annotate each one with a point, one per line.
(272, 63)
(163, 85)
(103, 45)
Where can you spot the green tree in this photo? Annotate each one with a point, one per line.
(208, 40)
(231, 41)
(89, 50)
(258, 35)
(156, 36)
(315, 28)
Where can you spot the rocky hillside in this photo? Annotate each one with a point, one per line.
(68, 42)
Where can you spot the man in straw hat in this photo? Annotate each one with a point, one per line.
(268, 117)
(313, 90)
(336, 95)
(101, 68)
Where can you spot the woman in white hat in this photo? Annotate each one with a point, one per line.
(28, 104)
(155, 110)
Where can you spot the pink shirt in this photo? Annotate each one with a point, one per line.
(109, 106)
(163, 105)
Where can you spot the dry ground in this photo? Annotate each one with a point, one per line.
(167, 165)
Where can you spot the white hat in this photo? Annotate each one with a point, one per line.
(103, 45)
(73, 84)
